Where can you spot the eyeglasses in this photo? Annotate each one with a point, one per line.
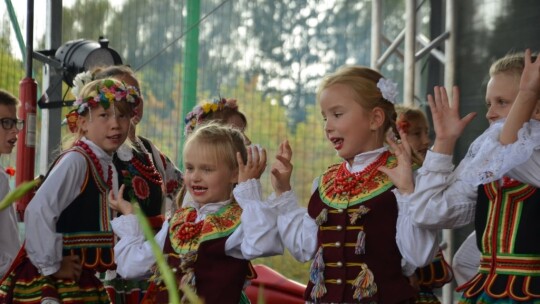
(9, 123)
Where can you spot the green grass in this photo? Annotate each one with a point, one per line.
(288, 266)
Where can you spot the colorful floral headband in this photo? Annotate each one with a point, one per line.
(200, 112)
(388, 89)
(106, 94)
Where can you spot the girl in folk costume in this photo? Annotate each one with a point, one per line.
(414, 123)
(207, 233)
(353, 229)
(496, 184)
(68, 232)
(150, 178)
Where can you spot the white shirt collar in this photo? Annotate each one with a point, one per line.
(206, 209)
(362, 160)
(102, 155)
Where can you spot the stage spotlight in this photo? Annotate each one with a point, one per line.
(81, 55)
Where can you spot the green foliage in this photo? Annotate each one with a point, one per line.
(165, 271)
(11, 72)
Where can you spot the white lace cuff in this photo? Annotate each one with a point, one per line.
(283, 203)
(248, 190)
(488, 160)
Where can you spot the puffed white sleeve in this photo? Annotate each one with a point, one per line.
(63, 184)
(440, 200)
(297, 229)
(257, 235)
(9, 233)
(488, 160)
(466, 261)
(418, 246)
(132, 253)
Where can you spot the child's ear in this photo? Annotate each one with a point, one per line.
(234, 176)
(377, 118)
(81, 123)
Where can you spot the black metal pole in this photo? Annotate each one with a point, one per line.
(29, 37)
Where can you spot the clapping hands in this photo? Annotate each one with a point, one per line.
(254, 166)
(282, 169)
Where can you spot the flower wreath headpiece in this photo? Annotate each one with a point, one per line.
(80, 81)
(388, 89)
(106, 94)
(200, 112)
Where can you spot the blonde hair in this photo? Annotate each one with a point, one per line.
(363, 82)
(510, 63)
(224, 141)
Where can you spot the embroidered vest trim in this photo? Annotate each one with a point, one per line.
(220, 224)
(371, 187)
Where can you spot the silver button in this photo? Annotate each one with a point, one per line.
(338, 244)
(339, 227)
(338, 281)
(339, 264)
(174, 270)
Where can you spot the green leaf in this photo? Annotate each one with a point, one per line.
(18, 193)
(166, 272)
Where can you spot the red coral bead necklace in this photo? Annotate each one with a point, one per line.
(96, 162)
(352, 183)
(149, 172)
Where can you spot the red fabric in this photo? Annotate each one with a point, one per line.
(275, 287)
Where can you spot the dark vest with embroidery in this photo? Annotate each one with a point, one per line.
(146, 191)
(349, 263)
(218, 278)
(85, 223)
(507, 225)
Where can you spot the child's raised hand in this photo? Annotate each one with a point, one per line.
(70, 269)
(526, 105)
(119, 203)
(401, 175)
(254, 166)
(530, 78)
(447, 122)
(282, 169)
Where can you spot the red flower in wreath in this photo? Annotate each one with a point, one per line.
(140, 187)
(10, 171)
